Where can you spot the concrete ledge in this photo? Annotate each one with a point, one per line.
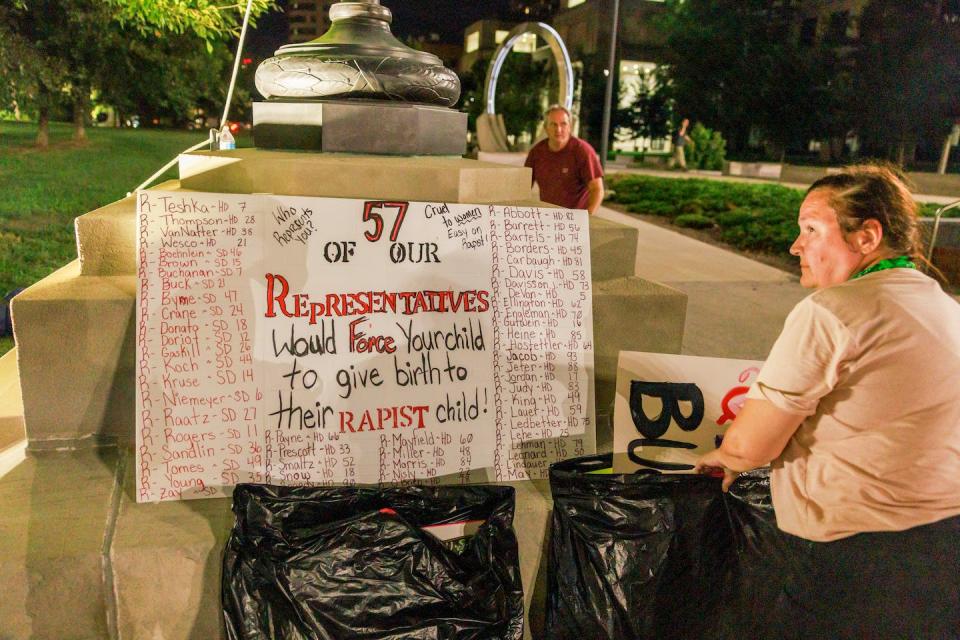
(11, 402)
(631, 314)
(946, 248)
(56, 511)
(106, 237)
(766, 170)
(802, 174)
(613, 249)
(353, 176)
(166, 566)
(935, 184)
(512, 158)
(75, 337)
(651, 160)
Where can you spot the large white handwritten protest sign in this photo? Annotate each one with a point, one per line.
(670, 410)
(294, 340)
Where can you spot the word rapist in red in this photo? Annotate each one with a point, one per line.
(383, 417)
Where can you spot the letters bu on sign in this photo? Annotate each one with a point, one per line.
(670, 409)
(307, 341)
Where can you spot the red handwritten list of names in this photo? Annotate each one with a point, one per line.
(197, 400)
(309, 341)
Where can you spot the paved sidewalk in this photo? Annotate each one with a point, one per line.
(735, 307)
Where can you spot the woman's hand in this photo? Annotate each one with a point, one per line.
(757, 436)
(714, 464)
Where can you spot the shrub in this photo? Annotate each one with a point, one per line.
(758, 217)
(708, 150)
(694, 221)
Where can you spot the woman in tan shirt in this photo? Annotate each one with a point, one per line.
(857, 409)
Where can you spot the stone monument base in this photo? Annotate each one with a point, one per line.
(80, 558)
(360, 126)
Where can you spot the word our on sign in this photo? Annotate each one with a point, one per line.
(308, 341)
(670, 410)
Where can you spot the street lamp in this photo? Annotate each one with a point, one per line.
(608, 93)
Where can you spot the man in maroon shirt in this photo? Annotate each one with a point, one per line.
(565, 167)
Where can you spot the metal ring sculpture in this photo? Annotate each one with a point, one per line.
(560, 55)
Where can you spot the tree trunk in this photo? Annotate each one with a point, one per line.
(43, 127)
(80, 116)
(901, 152)
(826, 155)
(910, 152)
(43, 116)
(945, 154)
(836, 148)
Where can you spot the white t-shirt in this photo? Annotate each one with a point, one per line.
(874, 364)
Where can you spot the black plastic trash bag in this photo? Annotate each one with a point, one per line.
(341, 563)
(636, 556)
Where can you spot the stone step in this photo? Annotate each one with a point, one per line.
(57, 516)
(75, 336)
(11, 403)
(106, 237)
(630, 314)
(343, 175)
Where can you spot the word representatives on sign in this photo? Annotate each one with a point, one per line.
(303, 341)
(670, 410)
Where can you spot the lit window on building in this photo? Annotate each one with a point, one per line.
(500, 35)
(636, 75)
(633, 75)
(527, 43)
(473, 42)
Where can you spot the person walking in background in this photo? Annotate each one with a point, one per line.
(680, 140)
(857, 408)
(566, 168)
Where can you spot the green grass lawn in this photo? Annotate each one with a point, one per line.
(41, 192)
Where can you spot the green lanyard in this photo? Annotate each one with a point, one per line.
(903, 262)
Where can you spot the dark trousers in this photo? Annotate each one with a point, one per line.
(903, 584)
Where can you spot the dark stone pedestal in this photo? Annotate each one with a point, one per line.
(391, 128)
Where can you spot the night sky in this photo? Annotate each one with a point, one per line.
(410, 17)
(447, 17)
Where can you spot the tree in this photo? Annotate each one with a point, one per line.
(521, 88)
(592, 84)
(25, 73)
(735, 65)
(907, 79)
(76, 43)
(140, 80)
